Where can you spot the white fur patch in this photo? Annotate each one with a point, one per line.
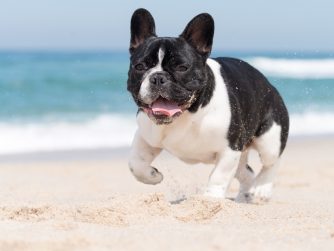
(223, 173)
(268, 145)
(261, 192)
(144, 92)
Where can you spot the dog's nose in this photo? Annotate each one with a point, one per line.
(158, 78)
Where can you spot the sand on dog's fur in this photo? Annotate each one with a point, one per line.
(97, 205)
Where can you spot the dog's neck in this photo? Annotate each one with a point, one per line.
(204, 95)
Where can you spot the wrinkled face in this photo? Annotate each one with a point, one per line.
(164, 77)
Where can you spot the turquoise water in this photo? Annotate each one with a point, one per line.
(79, 100)
(35, 85)
(302, 95)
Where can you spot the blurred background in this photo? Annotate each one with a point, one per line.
(63, 65)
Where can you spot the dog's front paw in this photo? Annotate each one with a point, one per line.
(215, 191)
(149, 175)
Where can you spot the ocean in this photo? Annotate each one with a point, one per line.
(78, 100)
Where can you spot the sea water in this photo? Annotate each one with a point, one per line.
(78, 100)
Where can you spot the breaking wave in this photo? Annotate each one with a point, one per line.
(115, 131)
(294, 68)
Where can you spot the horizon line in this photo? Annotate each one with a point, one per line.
(118, 50)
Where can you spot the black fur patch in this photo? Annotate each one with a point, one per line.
(255, 103)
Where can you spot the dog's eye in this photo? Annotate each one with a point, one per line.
(182, 68)
(140, 67)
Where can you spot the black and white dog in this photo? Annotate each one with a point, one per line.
(201, 109)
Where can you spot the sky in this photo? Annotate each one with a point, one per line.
(240, 25)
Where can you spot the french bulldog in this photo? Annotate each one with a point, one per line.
(201, 109)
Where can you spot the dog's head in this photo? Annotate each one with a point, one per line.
(167, 74)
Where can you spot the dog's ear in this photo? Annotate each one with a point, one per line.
(199, 33)
(142, 27)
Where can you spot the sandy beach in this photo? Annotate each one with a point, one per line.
(88, 200)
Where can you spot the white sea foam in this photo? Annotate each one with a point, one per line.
(294, 68)
(115, 131)
(312, 123)
(103, 131)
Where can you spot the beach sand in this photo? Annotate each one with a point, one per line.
(90, 201)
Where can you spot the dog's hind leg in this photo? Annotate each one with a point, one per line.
(268, 146)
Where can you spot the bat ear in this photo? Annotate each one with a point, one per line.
(199, 33)
(142, 27)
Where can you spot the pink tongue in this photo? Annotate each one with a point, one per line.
(165, 107)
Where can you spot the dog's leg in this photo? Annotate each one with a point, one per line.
(223, 173)
(245, 176)
(268, 146)
(261, 189)
(141, 157)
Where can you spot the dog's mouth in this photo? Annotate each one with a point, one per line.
(162, 107)
(163, 111)
(165, 107)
